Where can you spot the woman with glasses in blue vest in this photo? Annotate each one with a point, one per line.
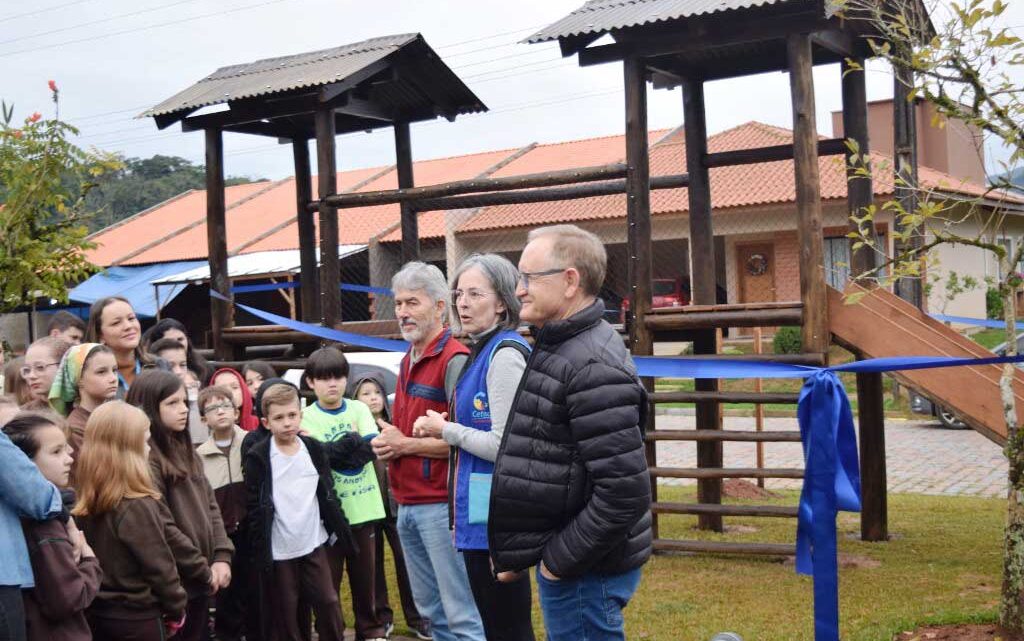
(485, 309)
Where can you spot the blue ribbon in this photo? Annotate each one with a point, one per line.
(831, 476)
(980, 322)
(360, 340)
(345, 287)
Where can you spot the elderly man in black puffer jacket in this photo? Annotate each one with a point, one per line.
(570, 491)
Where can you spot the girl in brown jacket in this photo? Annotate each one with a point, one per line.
(87, 377)
(64, 588)
(119, 510)
(178, 476)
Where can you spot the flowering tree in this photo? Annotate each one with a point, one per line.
(44, 180)
(968, 65)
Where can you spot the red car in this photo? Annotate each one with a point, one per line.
(665, 292)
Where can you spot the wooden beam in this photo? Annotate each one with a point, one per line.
(638, 233)
(858, 188)
(361, 108)
(836, 41)
(476, 185)
(724, 547)
(745, 436)
(545, 194)
(808, 197)
(309, 286)
(874, 515)
(905, 157)
(327, 183)
(217, 249)
(702, 284)
(409, 218)
(712, 320)
(697, 36)
(830, 147)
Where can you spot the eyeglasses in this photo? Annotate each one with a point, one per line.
(473, 295)
(38, 369)
(524, 277)
(219, 407)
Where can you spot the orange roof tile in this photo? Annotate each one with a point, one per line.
(359, 225)
(547, 157)
(244, 221)
(132, 233)
(735, 186)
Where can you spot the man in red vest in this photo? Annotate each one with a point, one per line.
(418, 467)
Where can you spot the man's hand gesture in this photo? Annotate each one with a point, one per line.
(388, 444)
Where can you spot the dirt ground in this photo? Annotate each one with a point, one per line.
(962, 632)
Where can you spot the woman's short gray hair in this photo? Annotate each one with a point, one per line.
(419, 276)
(503, 277)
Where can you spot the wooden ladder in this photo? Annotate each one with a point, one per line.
(700, 324)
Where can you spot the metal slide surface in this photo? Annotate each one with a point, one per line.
(880, 325)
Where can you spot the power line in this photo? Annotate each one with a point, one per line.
(493, 35)
(44, 10)
(95, 22)
(139, 29)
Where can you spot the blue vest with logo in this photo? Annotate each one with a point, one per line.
(470, 406)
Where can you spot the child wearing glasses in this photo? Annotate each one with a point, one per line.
(41, 361)
(221, 455)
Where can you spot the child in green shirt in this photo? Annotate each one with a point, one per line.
(330, 418)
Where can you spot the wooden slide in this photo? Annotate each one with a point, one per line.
(880, 324)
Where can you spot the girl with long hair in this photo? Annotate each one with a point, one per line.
(86, 378)
(138, 546)
(112, 322)
(178, 476)
(64, 587)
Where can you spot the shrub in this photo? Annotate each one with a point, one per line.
(787, 341)
(993, 303)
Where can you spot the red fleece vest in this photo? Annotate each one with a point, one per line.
(415, 479)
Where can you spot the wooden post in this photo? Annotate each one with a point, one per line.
(858, 188)
(327, 184)
(638, 234)
(759, 408)
(309, 282)
(403, 164)
(870, 393)
(702, 284)
(905, 157)
(216, 241)
(874, 515)
(813, 294)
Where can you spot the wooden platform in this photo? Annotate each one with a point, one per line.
(881, 325)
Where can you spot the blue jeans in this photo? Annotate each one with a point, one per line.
(588, 608)
(437, 573)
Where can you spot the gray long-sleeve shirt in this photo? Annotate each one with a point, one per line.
(503, 376)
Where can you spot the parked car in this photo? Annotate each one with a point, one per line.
(385, 364)
(665, 292)
(920, 404)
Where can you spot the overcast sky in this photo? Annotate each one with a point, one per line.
(114, 58)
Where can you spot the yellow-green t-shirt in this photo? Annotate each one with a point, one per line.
(357, 489)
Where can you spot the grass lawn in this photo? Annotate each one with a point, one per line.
(989, 338)
(942, 566)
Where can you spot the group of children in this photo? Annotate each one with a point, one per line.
(180, 499)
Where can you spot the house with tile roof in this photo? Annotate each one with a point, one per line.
(753, 208)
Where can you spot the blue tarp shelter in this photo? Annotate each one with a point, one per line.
(135, 284)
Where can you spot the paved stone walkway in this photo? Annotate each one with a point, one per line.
(921, 457)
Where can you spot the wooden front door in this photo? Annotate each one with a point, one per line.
(756, 265)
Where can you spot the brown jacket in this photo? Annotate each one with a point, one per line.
(76, 434)
(224, 472)
(194, 509)
(55, 607)
(137, 544)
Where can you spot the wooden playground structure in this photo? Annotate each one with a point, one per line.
(397, 80)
